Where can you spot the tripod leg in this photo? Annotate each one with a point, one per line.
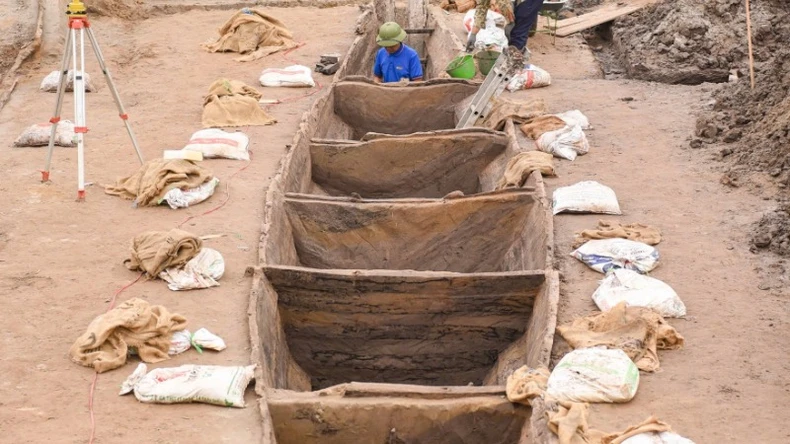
(80, 126)
(116, 97)
(59, 103)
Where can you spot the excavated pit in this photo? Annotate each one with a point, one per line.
(385, 311)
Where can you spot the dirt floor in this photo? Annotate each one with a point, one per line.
(736, 319)
(60, 261)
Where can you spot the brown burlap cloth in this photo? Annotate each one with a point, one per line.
(458, 5)
(148, 186)
(568, 420)
(233, 103)
(608, 229)
(534, 128)
(637, 331)
(135, 323)
(255, 34)
(155, 251)
(518, 111)
(520, 166)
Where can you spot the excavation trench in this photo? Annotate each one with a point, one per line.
(384, 310)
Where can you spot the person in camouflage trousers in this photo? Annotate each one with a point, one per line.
(521, 13)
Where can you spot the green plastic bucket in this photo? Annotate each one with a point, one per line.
(486, 60)
(461, 67)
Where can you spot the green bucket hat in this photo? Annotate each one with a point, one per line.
(390, 34)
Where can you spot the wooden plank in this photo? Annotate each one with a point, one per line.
(573, 25)
(360, 390)
(429, 166)
(444, 235)
(603, 10)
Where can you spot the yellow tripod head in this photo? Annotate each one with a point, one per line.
(76, 9)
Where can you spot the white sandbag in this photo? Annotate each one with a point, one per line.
(51, 81)
(657, 438)
(205, 339)
(603, 255)
(295, 76)
(180, 342)
(178, 198)
(585, 197)
(210, 384)
(38, 135)
(491, 39)
(183, 340)
(532, 76)
(565, 143)
(575, 117)
(638, 290)
(493, 19)
(216, 143)
(594, 374)
(202, 271)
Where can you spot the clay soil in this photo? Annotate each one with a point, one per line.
(60, 261)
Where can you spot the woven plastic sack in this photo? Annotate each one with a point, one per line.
(178, 198)
(566, 143)
(216, 143)
(585, 197)
(493, 19)
(295, 76)
(38, 135)
(657, 438)
(491, 39)
(51, 81)
(202, 271)
(605, 255)
(183, 340)
(180, 342)
(531, 77)
(575, 117)
(594, 374)
(209, 384)
(638, 290)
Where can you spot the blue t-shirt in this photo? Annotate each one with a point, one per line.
(404, 64)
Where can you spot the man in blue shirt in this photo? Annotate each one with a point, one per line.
(395, 61)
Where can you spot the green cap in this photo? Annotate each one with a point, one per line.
(390, 34)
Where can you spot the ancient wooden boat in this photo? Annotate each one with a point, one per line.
(397, 288)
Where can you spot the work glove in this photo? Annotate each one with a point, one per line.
(470, 42)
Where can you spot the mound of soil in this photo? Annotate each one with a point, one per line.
(19, 28)
(773, 231)
(756, 122)
(683, 42)
(582, 6)
(123, 9)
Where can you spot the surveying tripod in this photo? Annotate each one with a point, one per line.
(78, 28)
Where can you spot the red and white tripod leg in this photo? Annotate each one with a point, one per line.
(80, 126)
(59, 104)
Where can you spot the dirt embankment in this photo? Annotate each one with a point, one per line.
(684, 41)
(753, 125)
(19, 24)
(123, 9)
